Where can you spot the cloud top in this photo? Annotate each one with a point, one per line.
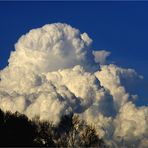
(52, 47)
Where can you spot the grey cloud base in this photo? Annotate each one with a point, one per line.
(54, 72)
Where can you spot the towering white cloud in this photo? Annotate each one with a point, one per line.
(54, 72)
(50, 48)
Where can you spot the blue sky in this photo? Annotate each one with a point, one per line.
(119, 27)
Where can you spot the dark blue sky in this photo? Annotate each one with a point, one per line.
(120, 27)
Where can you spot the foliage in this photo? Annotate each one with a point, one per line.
(17, 130)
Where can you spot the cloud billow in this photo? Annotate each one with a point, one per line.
(54, 72)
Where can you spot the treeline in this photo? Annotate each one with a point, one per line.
(17, 130)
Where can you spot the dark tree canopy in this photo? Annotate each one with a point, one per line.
(17, 130)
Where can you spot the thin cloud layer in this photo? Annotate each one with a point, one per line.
(54, 72)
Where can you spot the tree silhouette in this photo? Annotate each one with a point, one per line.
(17, 130)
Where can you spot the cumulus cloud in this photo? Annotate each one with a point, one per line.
(111, 78)
(54, 72)
(52, 47)
(101, 56)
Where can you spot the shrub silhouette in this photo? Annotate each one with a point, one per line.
(17, 130)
